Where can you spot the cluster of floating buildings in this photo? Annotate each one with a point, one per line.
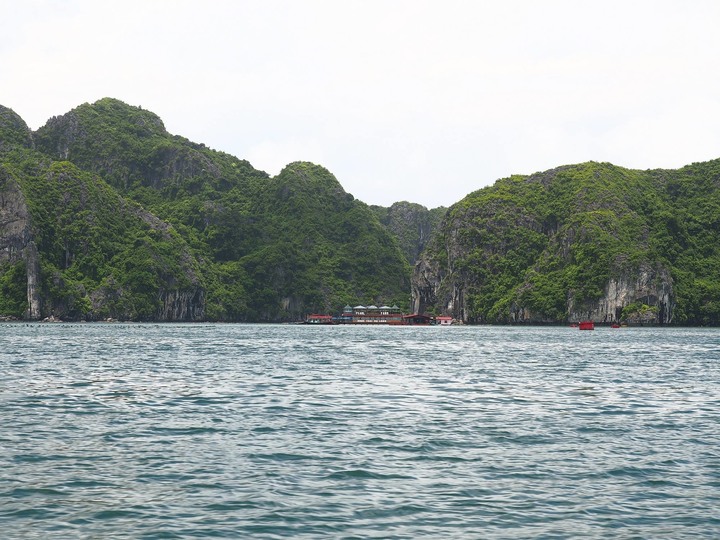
(378, 315)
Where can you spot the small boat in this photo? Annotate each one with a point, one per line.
(586, 325)
(614, 325)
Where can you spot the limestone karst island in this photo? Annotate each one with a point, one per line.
(106, 215)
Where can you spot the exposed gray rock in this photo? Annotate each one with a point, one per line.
(182, 305)
(648, 285)
(17, 239)
(411, 224)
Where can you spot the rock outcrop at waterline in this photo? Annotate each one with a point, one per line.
(648, 293)
(645, 296)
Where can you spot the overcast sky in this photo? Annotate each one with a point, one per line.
(413, 100)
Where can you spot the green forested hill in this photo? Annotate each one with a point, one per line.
(585, 241)
(103, 213)
(323, 247)
(226, 241)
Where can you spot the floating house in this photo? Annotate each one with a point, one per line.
(319, 319)
(371, 315)
(377, 315)
(418, 320)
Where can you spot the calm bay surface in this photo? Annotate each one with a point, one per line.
(262, 431)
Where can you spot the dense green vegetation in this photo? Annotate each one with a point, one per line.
(551, 240)
(14, 132)
(327, 248)
(13, 297)
(120, 205)
(115, 217)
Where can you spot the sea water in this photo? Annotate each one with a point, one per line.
(258, 431)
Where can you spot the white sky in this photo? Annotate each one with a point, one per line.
(413, 100)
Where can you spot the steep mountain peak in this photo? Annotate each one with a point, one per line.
(13, 130)
(93, 124)
(308, 172)
(304, 177)
(131, 149)
(111, 111)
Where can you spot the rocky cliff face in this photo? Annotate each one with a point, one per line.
(644, 296)
(412, 224)
(648, 292)
(64, 132)
(182, 305)
(431, 290)
(649, 286)
(74, 227)
(17, 242)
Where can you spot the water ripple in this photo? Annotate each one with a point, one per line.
(235, 431)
